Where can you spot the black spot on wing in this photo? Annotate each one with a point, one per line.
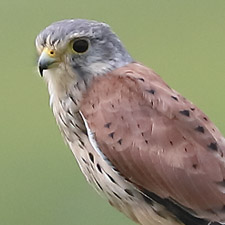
(195, 166)
(175, 98)
(111, 135)
(151, 91)
(120, 141)
(205, 118)
(200, 129)
(186, 216)
(213, 146)
(185, 113)
(107, 125)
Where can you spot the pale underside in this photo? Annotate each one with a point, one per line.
(130, 124)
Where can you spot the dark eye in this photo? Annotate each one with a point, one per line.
(80, 46)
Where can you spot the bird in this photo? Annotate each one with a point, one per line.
(149, 151)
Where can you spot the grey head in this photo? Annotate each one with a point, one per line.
(84, 47)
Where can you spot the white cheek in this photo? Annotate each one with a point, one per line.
(59, 80)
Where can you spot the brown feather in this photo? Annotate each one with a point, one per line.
(157, 139)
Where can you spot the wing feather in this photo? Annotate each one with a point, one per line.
(157, 139)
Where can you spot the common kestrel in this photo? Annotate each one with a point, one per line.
(153, 154)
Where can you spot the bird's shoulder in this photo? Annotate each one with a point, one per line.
(138, 89)
(157, 139)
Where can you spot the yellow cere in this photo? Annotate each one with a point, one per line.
(50, 52)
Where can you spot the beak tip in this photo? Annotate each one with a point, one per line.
(44, 62)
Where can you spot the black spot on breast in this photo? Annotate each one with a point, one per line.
(107, 125)
(62, 119)
(81, 146)
(110, 177)
(78, 126)
(76, 134)
(151, 91)
(99, 168)
(84, 161)
(185, 113)
(200, 129)
(70, 113)
(99, 185)
(175, 98)
(171, 142)
(116, 195)
(82, 143)
(213, 146)
(72, 99)
(91, 157)
(129, 192)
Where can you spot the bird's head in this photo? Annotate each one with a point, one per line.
(80, 47)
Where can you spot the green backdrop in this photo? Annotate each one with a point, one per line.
(40, 182)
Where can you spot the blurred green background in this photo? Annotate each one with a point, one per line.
(40, 182)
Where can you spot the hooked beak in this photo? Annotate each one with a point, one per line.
(46, 59)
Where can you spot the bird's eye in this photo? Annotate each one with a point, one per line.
(80, 45)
